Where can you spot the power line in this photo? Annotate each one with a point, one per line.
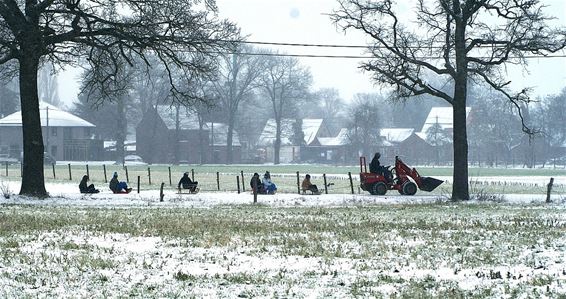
(361, 56)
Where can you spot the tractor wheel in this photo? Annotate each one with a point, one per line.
(409, 188)
(378, 188)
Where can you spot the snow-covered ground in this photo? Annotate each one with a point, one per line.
(218, 244)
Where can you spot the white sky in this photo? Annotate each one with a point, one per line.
(304, 21)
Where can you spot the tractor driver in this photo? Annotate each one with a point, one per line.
(375, 167)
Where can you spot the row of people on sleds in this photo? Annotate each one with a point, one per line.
(267, 186)
(117, 186)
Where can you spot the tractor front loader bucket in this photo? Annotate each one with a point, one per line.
(429, 184)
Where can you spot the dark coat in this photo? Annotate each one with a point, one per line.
(258, 183)
(186, 182)
(375, 166)
(114, 184)
(83, 187)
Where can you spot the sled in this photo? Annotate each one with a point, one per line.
(188, 191)
(309, 192)
(123, 192)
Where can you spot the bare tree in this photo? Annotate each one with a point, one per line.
(365, 124)
(238, 76)
(181, 33)
(284, 82)
(457, 41)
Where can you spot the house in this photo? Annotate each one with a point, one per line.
(328, 149)
(218, 136)
(437, 131)
(65, 136)
(443, 117)
(291, 151)
(172, 134)
(405, 143)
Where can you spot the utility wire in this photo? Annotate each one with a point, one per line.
(360, 56)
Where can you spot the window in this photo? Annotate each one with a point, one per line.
(87, 132)
(53, 131)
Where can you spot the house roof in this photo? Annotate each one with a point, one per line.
(443, 116)
(56, 117)
(187, 119)
(310, 128)
(339, 140)
(395, 135)
(220, 132)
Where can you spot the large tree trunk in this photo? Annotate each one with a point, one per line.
(460, 176)
(33, 181)
(460, 189)
(460, 139)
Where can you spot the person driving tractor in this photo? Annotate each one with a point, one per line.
(375, 167)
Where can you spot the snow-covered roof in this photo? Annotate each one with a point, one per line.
(442, 116)
(187, 119)
(310, 127)
(56, 117)
(339, 140)
(395, 135)
(221, 134)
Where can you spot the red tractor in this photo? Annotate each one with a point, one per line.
(401, 178)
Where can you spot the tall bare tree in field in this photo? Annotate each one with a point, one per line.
(238, 79)
(456, 41)
(181, 33)
(284, 82)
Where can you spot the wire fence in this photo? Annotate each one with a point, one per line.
(151, 176)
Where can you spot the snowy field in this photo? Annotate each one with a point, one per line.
(219, 244)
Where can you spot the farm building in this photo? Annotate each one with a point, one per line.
(65, 136)
(290, 150)
(169, 134)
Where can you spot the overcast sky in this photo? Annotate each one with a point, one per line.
(305, 21)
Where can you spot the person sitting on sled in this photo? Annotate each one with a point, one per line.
(268, 185)
(186, 183)
(258, 184)
(306, 185)
(87, 189)
(117, 186)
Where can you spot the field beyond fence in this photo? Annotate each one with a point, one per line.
(225, 177)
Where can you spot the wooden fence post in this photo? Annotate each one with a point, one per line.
(105, 178)
(161, 195)
(170, 182)
(549, 190)
(351, 182)
(139, 184)
(238, 183)
(192, 175)
(218, 180)
(243, 187)
(6, 168)
(127, 175)
(87, 172)
(70, 177)
(298, 184)
(149, 174)
(325, 185)
(52, 166)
